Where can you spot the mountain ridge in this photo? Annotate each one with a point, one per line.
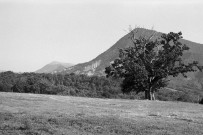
(54, 67)
(97, 65)
(111, 54)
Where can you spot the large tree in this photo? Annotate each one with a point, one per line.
(146, 66)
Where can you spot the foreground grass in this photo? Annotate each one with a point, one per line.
(32, 114)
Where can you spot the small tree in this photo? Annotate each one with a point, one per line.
(146, 66)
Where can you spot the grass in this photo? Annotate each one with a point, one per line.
(34, 114)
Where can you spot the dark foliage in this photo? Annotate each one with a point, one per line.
(146, 66)
(68, 84)
(80, 85)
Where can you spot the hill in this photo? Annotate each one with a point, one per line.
(23, 114)
(54, 67)
(98, 64)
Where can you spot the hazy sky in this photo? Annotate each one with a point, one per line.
(36, 32)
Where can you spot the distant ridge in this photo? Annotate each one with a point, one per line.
(54, 67)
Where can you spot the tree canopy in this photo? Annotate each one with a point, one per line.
(146, 66)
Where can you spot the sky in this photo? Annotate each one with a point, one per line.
(34, 33)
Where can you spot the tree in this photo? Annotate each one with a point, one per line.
(146, 66)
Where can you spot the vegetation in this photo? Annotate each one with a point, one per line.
(146, 66)
(83, 86)
(68, 84)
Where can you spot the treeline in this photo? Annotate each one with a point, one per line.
(68, 84)
(79, 85)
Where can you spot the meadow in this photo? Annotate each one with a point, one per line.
(36, 114)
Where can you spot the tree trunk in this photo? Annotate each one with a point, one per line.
(152, 96)
(147, 95)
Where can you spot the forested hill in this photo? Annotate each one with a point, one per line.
(98, 64)
(88, 79)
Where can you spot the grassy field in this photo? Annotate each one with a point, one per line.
(33, 114)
